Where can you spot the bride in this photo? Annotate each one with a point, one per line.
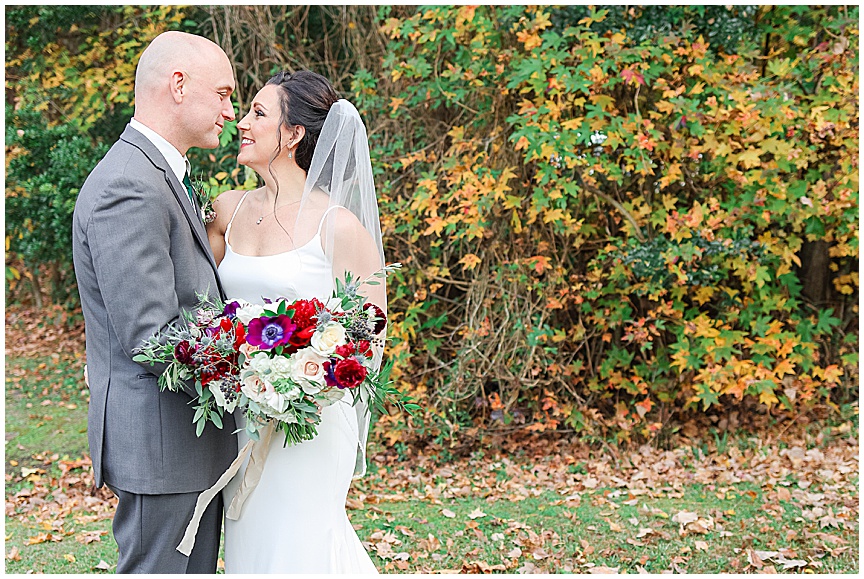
(314, 219)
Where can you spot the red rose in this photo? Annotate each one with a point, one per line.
(301, 339)
(305, 312)
(350, 373)
(365, 348)
(346, 350)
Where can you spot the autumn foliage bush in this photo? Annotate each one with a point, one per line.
(609, 218)
(603, 233)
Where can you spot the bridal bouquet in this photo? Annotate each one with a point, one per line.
(282, 361)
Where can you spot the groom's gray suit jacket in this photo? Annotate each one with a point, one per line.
(141, 254)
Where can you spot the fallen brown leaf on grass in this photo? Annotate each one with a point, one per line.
(13, 554)
(684, 517)
(44, 538)
(481, 567)
(830, 520)
(603, 570)
(88, 537)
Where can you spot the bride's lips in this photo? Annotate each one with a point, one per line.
(246, 142)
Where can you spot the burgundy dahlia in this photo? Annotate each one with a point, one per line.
(377, 314)
(183, 353)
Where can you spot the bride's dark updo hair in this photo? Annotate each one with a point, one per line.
(305, 99)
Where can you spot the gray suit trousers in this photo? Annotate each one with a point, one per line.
(148, 529)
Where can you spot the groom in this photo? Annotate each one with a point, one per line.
(141, 255)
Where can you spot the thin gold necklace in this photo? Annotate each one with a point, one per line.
(260, 219)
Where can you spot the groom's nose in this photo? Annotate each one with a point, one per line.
(228, 110)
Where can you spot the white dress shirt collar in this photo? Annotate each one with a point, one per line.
(178, 163)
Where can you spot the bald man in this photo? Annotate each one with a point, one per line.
(141, 256)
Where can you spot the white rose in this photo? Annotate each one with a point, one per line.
(275, 400)
(248, 312)
(260, 364)
(252, 387)
(248, 349)
(308, 366)
(280, 367)
(293, 394)
(216, 390)
(325, 340)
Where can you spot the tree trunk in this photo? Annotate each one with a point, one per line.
(815, 273)
(37, 289)
(57, 288)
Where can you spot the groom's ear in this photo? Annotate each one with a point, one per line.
(178, 86)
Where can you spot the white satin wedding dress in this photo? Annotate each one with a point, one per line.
(295, 519)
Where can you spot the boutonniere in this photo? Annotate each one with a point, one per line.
(208, 215)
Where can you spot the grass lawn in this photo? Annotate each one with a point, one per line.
(746, 507)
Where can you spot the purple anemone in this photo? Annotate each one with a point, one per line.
(231, 309)
(268, 333)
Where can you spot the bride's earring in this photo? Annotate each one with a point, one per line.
(290, 155)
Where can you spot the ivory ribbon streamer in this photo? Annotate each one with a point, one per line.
(253, 472)
(205, 497)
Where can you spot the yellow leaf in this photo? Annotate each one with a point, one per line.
(767, 397)
(69, 557)
(703, 294)
(665, 107)
(469, 261)
(750, 158)
(522, 143)
(553, 215)
(619, 38)
(529, 39)
(436, 226)
(540, 263)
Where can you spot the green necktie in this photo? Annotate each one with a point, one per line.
(189, 190)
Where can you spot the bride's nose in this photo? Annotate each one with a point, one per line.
(244, 125)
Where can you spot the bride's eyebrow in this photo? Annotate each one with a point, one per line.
(259, 105)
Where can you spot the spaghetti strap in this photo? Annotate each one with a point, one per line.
(321, 224)
(236, 209)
